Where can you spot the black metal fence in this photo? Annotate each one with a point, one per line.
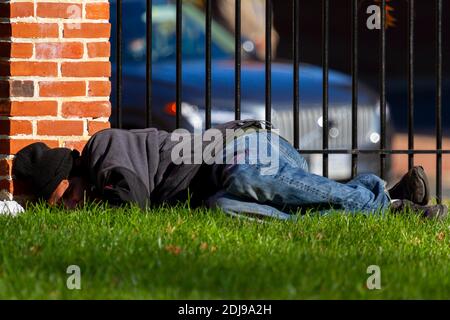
(354, 151)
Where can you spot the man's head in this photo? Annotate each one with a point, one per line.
(49, 171)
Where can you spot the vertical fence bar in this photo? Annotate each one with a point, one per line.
(237, 60)
(208, 65)
(149, 65)
(410, 70)
(354, 86)
(268, 60)
(179, 54)
(119, 64)
(325, 35)
(383, 89)
(296, 52)
(439, 100)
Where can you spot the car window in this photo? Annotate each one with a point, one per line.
(164, 34)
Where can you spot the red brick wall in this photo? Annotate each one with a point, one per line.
(54, 75)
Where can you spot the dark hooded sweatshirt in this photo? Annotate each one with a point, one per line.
(135, 166)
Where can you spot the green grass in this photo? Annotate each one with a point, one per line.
(180, 253)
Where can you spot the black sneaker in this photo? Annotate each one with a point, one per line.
(413, 186)
(438, 211)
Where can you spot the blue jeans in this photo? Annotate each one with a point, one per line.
(250, 188)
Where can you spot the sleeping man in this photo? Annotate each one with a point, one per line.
(239, 167)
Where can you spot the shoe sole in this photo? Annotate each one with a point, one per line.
(444, 213)
(441, 215)
(424, 179)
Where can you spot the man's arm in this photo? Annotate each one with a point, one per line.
(123, 186)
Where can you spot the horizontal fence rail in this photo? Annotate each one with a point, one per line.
(383, 152)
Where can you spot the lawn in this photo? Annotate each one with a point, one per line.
(181, 253)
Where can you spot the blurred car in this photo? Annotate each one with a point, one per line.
(223, 84)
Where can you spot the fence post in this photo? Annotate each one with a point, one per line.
(54, 76)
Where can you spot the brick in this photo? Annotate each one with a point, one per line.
(15, 127)
(59, 10)
(24, 68)
(87, 30)
(16, 10)
(76, 144)
(12, 146)
(5, 107)
(5, 167)
(21, 88)
(5, 68)
(5, 10)
(6, 185)
(21, 50)
(99, 88)
(86, 69)
(22, 9)
(16, 50)
(16, 88)
(5, 49)
(5, 30)
(5, 89)
(34, 30)
(99, 49)
(60, 128)
(29, 108)
(65, 50)
(96, 126)
(41, 69)
(97, 11)
(62, 88)
(95, 109)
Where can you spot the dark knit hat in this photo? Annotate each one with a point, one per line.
(45, 167)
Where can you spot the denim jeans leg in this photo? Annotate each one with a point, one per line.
(376, 185)
(235, 206)
(291, 185)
